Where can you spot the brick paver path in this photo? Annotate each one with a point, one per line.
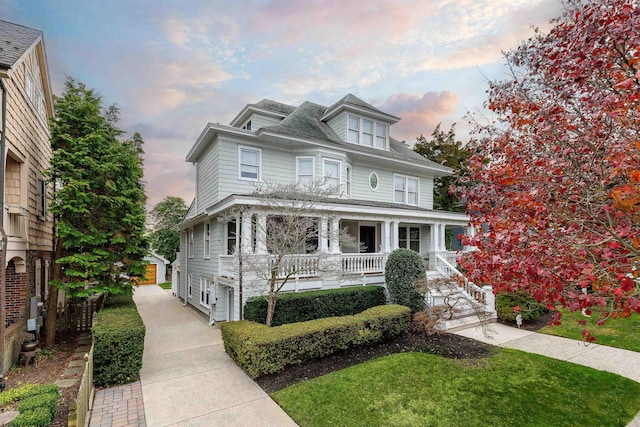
(118, 407)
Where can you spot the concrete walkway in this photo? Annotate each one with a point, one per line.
(622, 362)
(187, 378)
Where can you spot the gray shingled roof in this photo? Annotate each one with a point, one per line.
(14, 41)
(304, 122)
(275, 106)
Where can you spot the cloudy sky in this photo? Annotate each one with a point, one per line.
(173, 66)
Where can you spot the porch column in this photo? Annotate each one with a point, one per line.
(395, 241)
(434, 243)
(323, 233)
(261, 234)
(442, 245)
(471, 232)
(386, 236)
(246, 234)
(334, 236)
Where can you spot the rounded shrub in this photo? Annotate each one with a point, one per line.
(529, 308)
(403, 269)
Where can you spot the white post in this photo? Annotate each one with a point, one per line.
(323, 233)
(246, 234)
(490, 299)
(395, 243)
(261, 234)
(334, 246)
(386, 239)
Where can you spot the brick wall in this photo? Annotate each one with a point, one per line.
(15, 295)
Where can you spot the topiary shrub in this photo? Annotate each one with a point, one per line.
(303, 306)
(118, 338)
(262, 350)
(529, 308)
(403, 269)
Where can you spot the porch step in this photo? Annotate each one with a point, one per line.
(467, 321)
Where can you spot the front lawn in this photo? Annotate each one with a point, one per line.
(616, 332)
(165, 285)
(510, 388)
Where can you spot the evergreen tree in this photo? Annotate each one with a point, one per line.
(99, 199)
(164, 233)
(444, 149)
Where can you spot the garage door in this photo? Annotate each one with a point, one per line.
(150, 275)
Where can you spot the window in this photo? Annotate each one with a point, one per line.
(204, 291)
(304, 170)
(189, 286)
(373, 181)
(232, 237)
(249, 163)
(42, 199)
(190, 243)
(331, 173)
(354, 130)
(28, 86)
(247, 125)
(406, 190)
(409, 238)
(381, 136)
(366, 132)
(348, 181)
(207, 242)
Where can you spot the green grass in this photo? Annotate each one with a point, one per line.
(165, 285)
(510, 388)
(621, 333)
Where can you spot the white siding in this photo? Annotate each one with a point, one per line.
(207, 176)
(339, 125)
(259, 121)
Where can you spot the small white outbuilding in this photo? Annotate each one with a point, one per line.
(156, 270)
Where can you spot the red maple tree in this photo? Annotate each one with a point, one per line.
(554, 185)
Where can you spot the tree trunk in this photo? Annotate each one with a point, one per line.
(52, 304)
(273, 298)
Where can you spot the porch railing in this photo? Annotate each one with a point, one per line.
(308, 265)
(483, 295)
(363, 263)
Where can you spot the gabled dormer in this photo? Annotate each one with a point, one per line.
(261, 114)
(358, 122)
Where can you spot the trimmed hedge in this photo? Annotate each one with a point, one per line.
(304, 306)
(262, 350)
(118, 337)
(48, 401)
(38, 404)
(529, 308)
(403, 269)
(38, 417)
(26, 391)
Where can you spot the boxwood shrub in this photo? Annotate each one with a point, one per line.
(262, 350)
(529, 308)
(37, 417)
(303, 306)
(118, 337)
(403, 269)
(48, 401)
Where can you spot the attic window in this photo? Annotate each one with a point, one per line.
(247, 125)
(367, 132)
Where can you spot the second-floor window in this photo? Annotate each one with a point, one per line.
(249, 159)
(331, 173)
(366, 132)
(42, 199)
(190, 243)
(406, 189)
(304, 171)
(207, 240)
(232, 237)
(348, 179)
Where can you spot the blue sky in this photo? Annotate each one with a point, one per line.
(174, 66)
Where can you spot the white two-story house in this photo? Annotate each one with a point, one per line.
(386, 197)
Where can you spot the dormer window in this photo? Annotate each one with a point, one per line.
(247, 125)
(367, 132)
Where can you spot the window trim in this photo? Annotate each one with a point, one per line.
(408, 239)
(371, 175)
(324, 175)
(42, 199)
(190, 242)
(406, 189)
(205, 294)
(313, 168)
(348, 179)
(206, 237)
(374, 132)
(242, 148)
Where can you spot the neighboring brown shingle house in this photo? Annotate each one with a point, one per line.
(26, 89)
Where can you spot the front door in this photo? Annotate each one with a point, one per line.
(368, 238)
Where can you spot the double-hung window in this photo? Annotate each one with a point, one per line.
(204, 291)
(348, 179)
(406, 190)
(354, 129)
(409, 238)
(381, 136)
(250, 160)
(207, 240)
(304, 171)
(366, 132)
(42, 199)
(331, 173)
(232, 237)
(190, 243)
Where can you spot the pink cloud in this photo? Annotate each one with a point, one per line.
(420, 114)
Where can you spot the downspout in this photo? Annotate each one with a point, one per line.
(3, 255)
